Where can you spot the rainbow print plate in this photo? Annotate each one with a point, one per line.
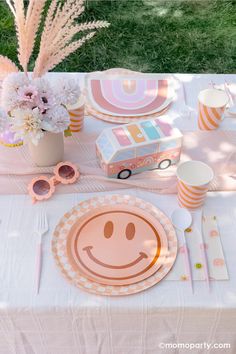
(129, 95)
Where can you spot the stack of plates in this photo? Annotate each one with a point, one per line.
(122, 96)
(114, 245)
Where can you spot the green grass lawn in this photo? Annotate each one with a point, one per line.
(151, 36)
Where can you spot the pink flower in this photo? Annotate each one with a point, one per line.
(45, 102)
(28, 93)
(204, 245)
(218, 262)
(214, 233)
(46, 96)
(56, 119)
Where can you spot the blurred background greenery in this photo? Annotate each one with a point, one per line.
(187, 36)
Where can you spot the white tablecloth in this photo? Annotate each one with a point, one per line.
(65, 320)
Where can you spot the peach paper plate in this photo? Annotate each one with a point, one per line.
(114, 245)
(117, 245)
(118, 119)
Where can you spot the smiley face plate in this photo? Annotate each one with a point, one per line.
(114, 245)
(117, 245)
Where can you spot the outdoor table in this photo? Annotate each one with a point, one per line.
(65, 320)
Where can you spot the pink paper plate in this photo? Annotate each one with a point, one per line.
(98, 241)
(123, 120)
(129, 95)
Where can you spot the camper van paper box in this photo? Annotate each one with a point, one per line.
(133, 148)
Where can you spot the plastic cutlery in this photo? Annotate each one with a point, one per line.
(41, 228)
(232, 108)
(186, 111)
(212, 84)
(182, 219)
(226, 86)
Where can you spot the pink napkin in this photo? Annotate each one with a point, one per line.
(216, 148)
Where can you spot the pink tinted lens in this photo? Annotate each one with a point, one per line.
(66, 172)
(41, 187)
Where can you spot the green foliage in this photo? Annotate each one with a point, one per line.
(151, 36)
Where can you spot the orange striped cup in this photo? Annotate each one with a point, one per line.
(194, 178)
(76, 113)
(211, 106)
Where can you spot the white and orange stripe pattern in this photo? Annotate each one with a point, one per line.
(76, 119)
(209, 118)
(191, 197)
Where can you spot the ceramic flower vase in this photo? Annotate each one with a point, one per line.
(49, 151)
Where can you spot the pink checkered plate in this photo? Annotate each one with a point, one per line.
(114, 245)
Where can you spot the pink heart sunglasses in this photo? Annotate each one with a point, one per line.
(42, 188)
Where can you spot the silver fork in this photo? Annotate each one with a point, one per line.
(41, 228)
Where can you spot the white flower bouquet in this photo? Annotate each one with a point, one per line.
(33, 105)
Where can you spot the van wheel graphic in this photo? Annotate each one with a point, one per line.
(164, 164)
(124, 174)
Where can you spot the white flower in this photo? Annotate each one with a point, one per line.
(9, 99)
(10, 87)
(26, 124)
(56, 119)
(14, 81)
(42, 85)
(68, 91)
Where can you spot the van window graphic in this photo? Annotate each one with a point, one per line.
(102, 141)
(168, 145)
(105, 146)
(147, 150)
(124, 155)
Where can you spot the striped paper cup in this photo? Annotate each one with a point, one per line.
(211, 106)
(194, 178)
(76, 113)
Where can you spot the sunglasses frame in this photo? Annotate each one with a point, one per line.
(53, 181)
(62, 180)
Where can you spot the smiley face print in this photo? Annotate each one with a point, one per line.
(117, 245)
